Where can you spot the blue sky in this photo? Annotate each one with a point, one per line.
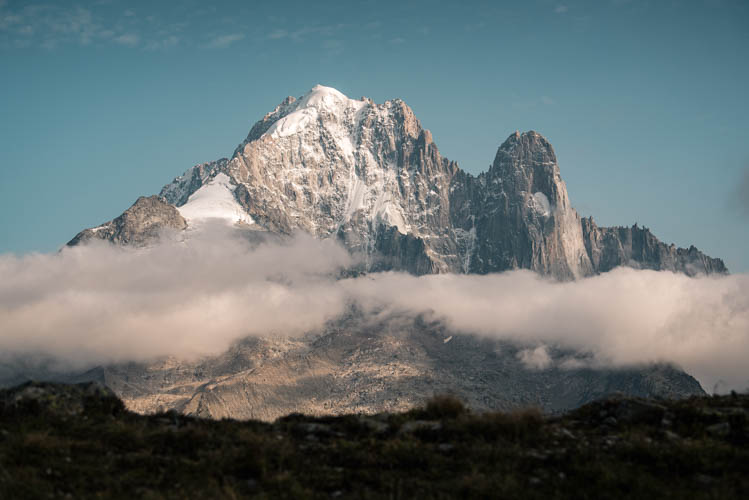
(645, 102)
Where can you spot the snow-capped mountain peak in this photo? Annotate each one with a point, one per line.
(310, 109)
(327, 99)
(370, 176)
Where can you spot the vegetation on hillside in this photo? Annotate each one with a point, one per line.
(78, 441)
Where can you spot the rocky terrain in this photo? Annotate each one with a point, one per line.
(145, 220)
(78, 441)
(390, 365)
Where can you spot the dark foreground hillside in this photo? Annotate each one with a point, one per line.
(77, 441)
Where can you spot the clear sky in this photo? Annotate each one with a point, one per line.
(645, 102)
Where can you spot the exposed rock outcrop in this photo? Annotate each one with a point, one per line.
(525, 219)
(138, 225)
(609, 247)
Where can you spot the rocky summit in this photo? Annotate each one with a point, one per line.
(371, 177)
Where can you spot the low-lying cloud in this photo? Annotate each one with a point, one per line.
(623, 317)
(99, 304)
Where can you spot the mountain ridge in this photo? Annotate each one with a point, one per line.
(372, 177)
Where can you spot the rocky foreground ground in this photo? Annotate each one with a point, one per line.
(78, 441)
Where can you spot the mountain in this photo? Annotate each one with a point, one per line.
(357, 365)
(365, 364)
(370, 176)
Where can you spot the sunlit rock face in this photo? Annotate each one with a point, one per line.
(146, 220)
(371, 177)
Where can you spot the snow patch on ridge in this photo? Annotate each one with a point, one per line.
(357, 191)
(292, 123)
(215, 200)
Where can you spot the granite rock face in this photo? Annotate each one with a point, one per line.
(524, 219)
(138, 225)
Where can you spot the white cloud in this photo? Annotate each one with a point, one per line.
(165, 43)
(623, 317)
(301, 34)
(99, 303)
(224, 41)
(278, 34)
(561, 9)
(128, 39)
(535, 359)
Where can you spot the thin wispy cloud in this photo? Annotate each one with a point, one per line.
(305, 32)
(278, 34)
(166, 43)
(300, 34)
(333, 47)
(531, 102)
(561, 9)
(223, 41)
(51, 26)
(475, 26)
(128, 39)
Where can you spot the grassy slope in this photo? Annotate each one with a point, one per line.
(78, 441)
